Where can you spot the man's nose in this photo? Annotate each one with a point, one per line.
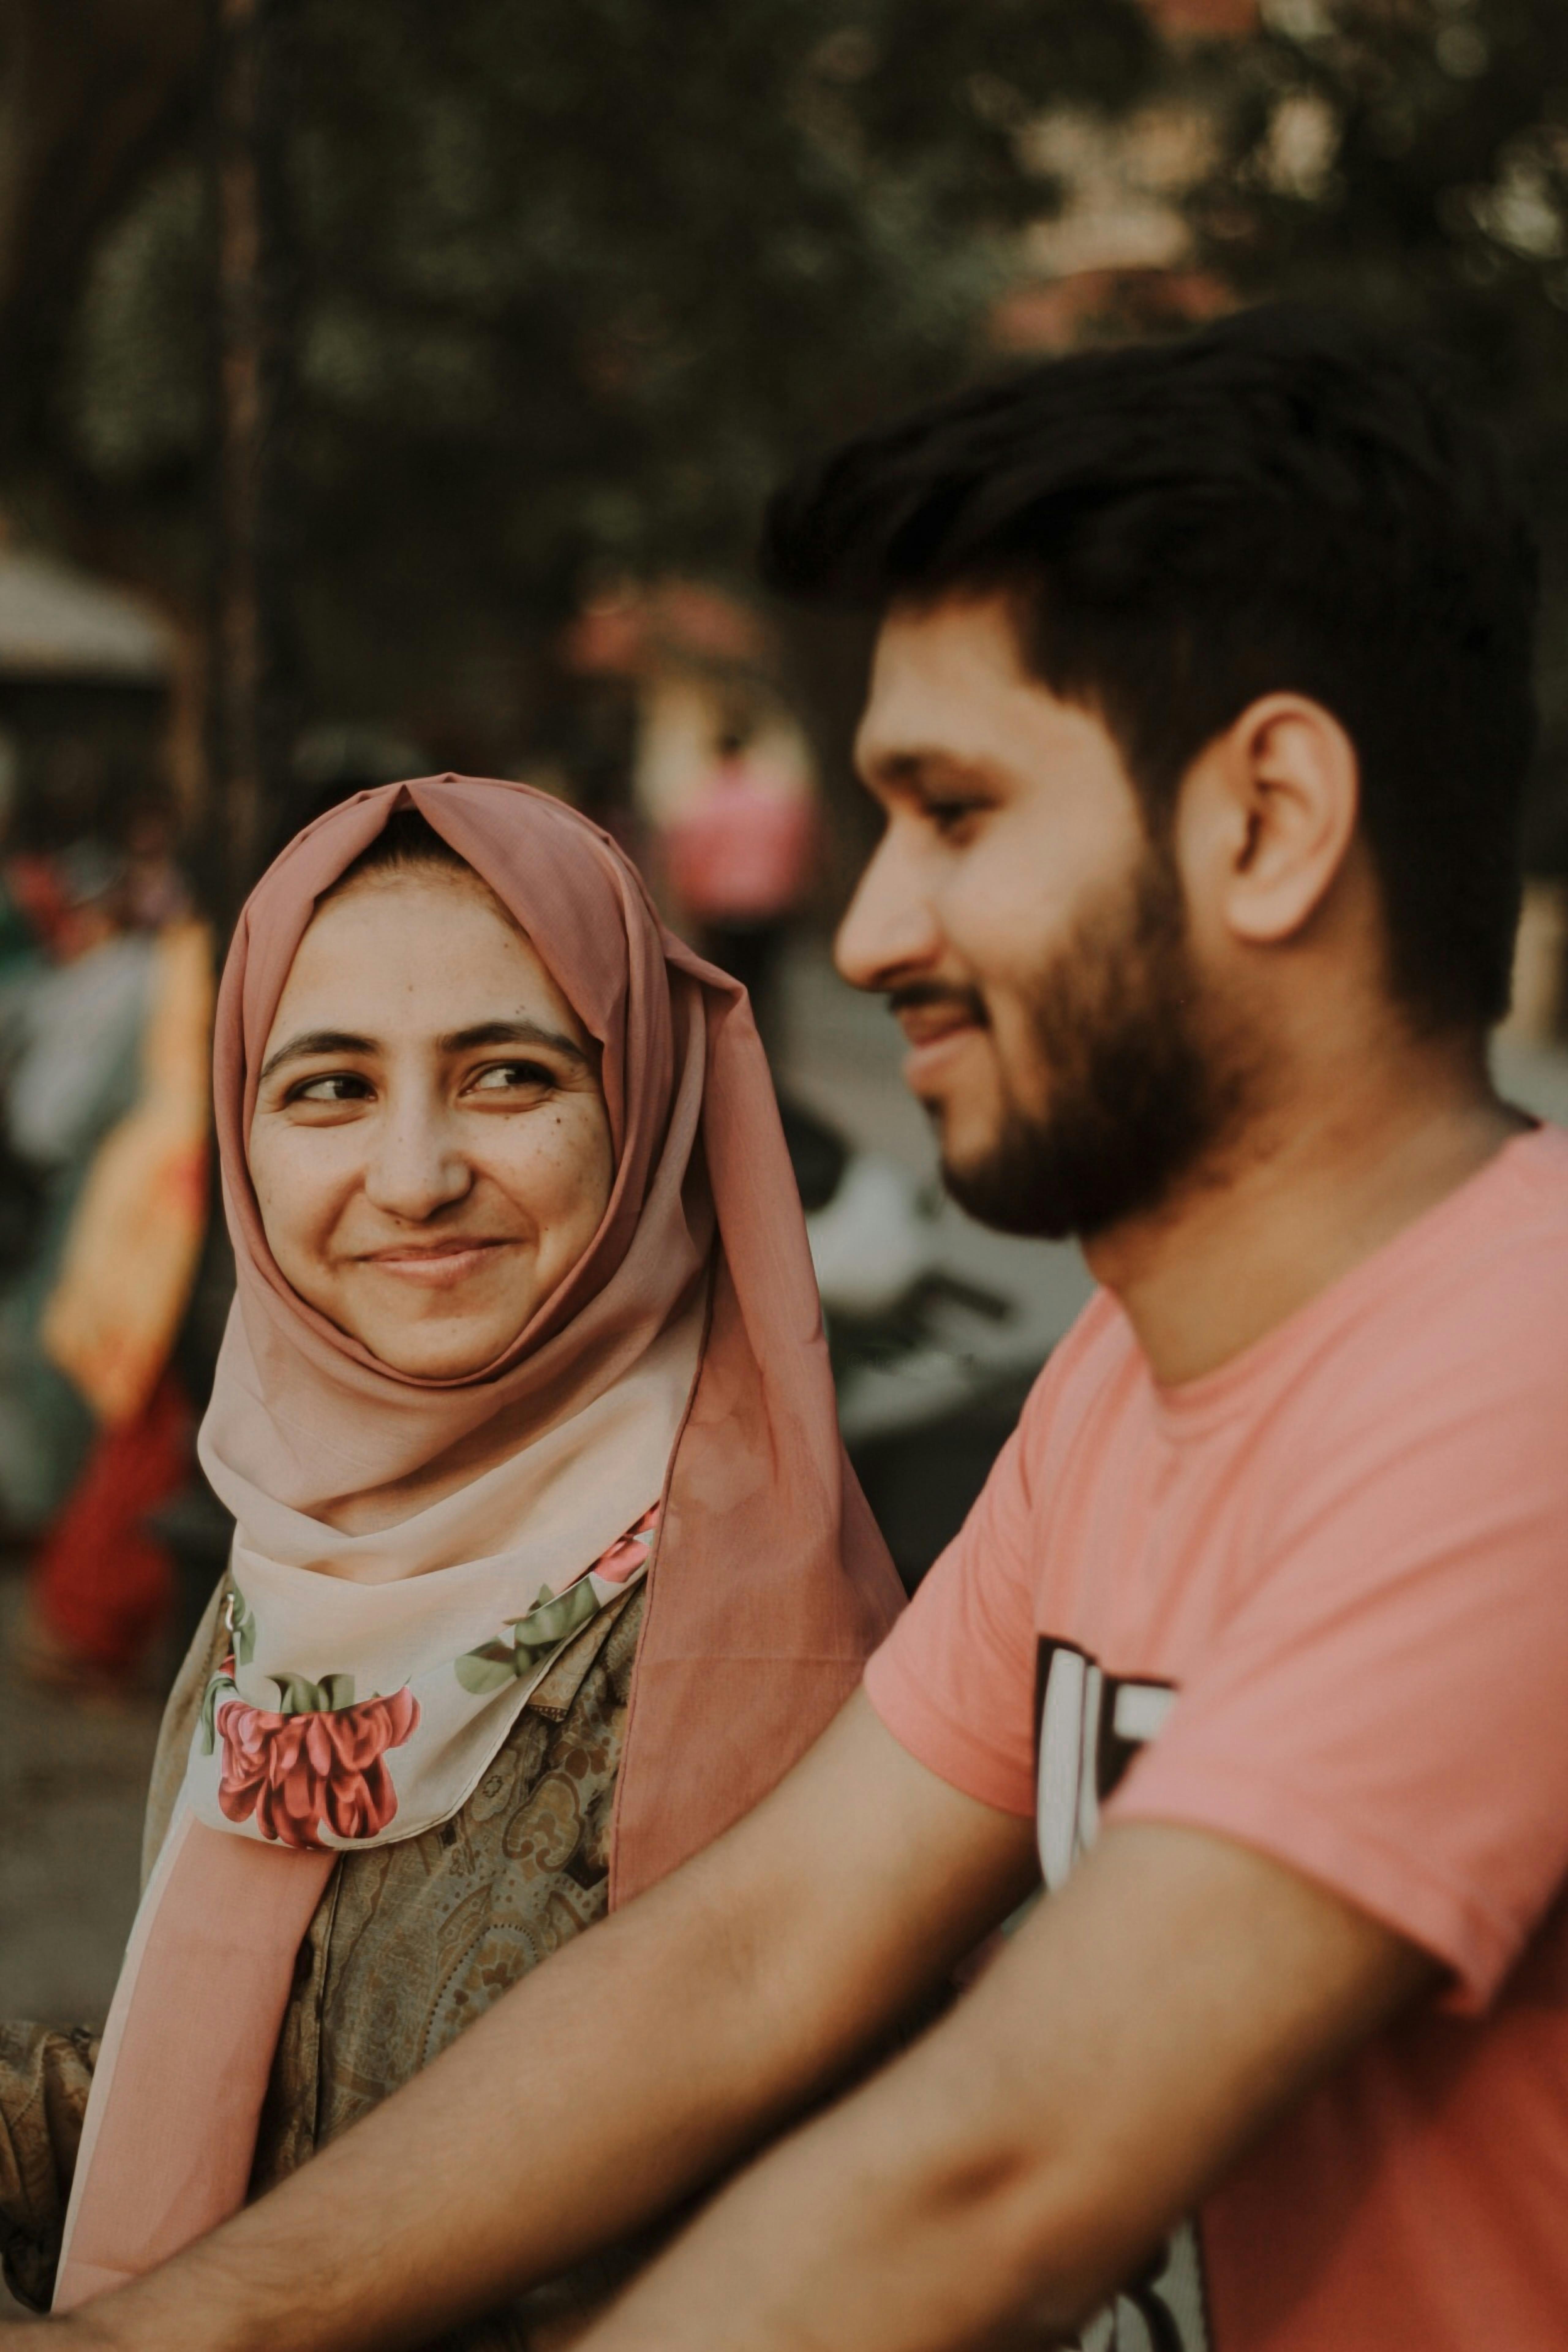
(889, 928)
(417, 1166)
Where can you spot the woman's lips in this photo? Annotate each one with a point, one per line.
(438, 1268)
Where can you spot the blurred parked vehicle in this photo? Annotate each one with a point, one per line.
(931, 1376)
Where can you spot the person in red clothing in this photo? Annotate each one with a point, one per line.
(1199, 718)
(739, 861)
(111, 1283)
(102, 1583)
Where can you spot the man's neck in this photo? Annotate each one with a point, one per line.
(1304, 1195)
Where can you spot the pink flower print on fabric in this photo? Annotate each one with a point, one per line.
(294, 1772)
(628, 1552)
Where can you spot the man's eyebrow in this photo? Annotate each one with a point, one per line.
(512, 1033)
(913, 770)
(315, 1041)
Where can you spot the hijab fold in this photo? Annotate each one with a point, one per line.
(667, 1413)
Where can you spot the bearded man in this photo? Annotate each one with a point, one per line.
(1199, 716)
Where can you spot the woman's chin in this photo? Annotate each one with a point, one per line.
(446, 1348)
(456, 1361)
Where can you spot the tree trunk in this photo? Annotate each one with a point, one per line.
(253, 693)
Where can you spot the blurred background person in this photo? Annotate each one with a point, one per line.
(720, 793)
(105, 1112)
(73, 1018)
(740, 858)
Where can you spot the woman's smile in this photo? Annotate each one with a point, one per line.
(438, 1266)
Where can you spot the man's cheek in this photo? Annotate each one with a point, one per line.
(1022, 1076)
(994, 915)
(974, 1110)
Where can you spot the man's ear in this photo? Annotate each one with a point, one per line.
(1266, 817)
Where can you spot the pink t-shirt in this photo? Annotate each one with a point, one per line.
(1318, 1601)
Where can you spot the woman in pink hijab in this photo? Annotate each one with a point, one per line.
(547, 1560)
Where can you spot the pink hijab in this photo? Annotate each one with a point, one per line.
(773, 1583)
(769, 1584)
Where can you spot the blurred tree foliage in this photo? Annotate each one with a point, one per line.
(95, 97)
(1411, 157)
(579, 278)
(576, 279)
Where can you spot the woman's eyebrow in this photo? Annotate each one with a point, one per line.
(315, 1041)
(312, 1042)
(511, 1032)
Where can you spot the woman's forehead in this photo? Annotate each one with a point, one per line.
(421, 953)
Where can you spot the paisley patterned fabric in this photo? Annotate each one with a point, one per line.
(45, 2078)
(415, 1939)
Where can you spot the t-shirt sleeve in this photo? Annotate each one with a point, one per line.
(1386, 1710)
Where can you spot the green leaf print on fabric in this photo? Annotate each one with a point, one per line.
(223, 1680)
(554, 1619)
(242, 1625)
(298, 1695)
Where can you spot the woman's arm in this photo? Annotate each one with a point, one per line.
(45, 2077)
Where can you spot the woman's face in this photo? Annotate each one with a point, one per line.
(430, 1149)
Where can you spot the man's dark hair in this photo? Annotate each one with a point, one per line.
(1284, 500)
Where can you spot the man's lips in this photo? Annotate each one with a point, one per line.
(922, 1024)
(939, 1028)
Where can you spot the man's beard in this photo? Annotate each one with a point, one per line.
(1141, 1081)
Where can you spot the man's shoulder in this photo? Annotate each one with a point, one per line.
(1530, 1223)
(1443, 1374)
(1488, 1288)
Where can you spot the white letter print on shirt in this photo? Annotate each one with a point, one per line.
(1091, 1726)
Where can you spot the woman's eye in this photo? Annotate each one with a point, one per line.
(338, 1087)
(512, 1078)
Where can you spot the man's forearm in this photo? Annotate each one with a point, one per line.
(1030, 2153)
(917, 2215)
(886, 2225)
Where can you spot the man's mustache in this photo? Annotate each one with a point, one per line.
(918, 995)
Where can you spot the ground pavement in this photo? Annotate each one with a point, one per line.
(71, 1786)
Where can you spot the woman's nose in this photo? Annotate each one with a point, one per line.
(889, 928)
(416, 1166)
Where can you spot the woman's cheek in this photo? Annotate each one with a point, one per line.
(562, 1174)
(299, 1198)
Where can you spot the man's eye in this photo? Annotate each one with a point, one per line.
(513, 1078)
(950, 816)
(338, 1087)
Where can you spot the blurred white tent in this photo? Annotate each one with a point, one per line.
(57, 623)
(89, 673)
